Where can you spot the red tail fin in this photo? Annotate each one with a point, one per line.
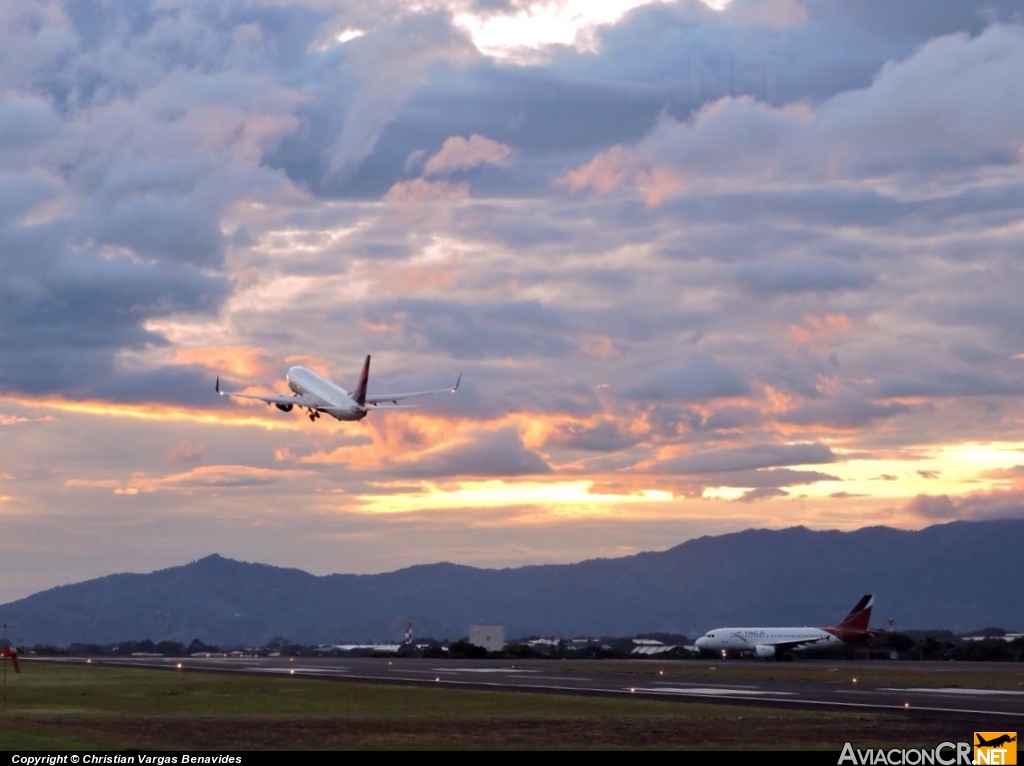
(859, 616)
(360, 393)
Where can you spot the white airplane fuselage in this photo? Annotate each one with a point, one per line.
(762, 641)
(779, 642)
(316, 394)
(329, 397)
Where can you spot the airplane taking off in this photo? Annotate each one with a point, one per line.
(317, 394)
(778, 642)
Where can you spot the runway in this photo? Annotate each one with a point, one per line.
(734, 682)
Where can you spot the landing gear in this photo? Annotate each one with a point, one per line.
(313, 415)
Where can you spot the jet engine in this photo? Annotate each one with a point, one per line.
(764, 651)
(284, 407)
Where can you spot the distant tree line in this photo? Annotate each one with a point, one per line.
(988, 645)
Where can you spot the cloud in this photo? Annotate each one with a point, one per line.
(952, 383)
(419, 190)
(769, 13)
(979, 506)
(762, 478)
(699, 379)
(492, 454)
(843, 412)
(915, 120)
(606, 436)
(712, 253)
(186, 452)
(762, 493)
(459, 153)
(393, 62)
(747, 458)
(768, 278)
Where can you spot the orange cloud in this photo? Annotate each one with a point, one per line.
(243, 361)
(657, 185)
(10, 420)
(392, 440)
(600, 347)
(816, 330)
(156, 412)
(210, 477)
(458, 153)
(617, 167)
(606, 172)
(185, 452)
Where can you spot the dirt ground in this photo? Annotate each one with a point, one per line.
(816, 732)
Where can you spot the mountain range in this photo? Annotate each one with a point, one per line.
(960, 576)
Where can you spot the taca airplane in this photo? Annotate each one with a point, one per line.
(316, 394)
(778, 642)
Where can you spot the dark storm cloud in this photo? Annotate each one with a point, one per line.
(752, 48)
(490, 454)
(141, 126)
(64, 314)
(20, 193)
(726, 418)
(466, 331)
(842, 412)
(918, 20)
(180, 384)
(699, 379)
(802, 276)
(818, 213)
(763, 478)
(361, 88)
(747, 458)
(604, 437)
(994, 505)
(991, 505)
(167, 231)
(761, 493)
(25, 121)
(953, 383)
(658, 60)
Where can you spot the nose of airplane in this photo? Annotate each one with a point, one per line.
(701, 642)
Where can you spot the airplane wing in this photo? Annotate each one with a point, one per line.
(271, 399)
(794, 646)
(383, 400)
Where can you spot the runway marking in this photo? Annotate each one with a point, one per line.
(965, 692)
(708, 691)
(483, 670)
(723, 686)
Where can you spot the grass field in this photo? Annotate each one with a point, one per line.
(53, 706)
(951, 675)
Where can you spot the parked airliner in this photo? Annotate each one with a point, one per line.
(316, 394)
(778, 642)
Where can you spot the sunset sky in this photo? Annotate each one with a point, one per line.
(703, 266)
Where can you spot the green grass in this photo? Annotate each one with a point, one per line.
(953, 675)
(54, 706)
(51, 689)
